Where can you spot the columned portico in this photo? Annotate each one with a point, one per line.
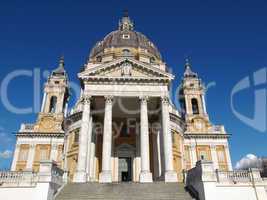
(124, 126)
(106, 175)
(80, 175)
(145, 175)
(170, 174)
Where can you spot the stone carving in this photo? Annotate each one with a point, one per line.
(165, 99)
(47, 124)
(126, 69)
(86, 99)
(144, 99)
(109, 99)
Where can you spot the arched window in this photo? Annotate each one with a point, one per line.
(98, 59)
(53, 103)
(126, 52)
(152, 60)
(195, 106)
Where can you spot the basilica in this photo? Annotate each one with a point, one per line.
(124, 127)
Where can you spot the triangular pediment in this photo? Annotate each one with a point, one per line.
(126, 68)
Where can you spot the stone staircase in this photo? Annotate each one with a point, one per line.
(124, 191)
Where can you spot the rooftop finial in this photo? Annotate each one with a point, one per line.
(125, 23)
(187, 63)
(61, 61)
(59, 71)
(188, 71)
(125, 13)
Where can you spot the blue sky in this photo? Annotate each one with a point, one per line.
(226, 41)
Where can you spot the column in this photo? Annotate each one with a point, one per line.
(157, 154)
(30, 157)
(145, 175)
(91, 153)
(138, 154)
(66, 110)
(170, 174)
(65, 159)
(228, 158)
(15, 158)
(214, 156)
(204, 104)
(105, 175)
(80, 175)
(43, 102)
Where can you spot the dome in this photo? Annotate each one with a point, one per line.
(125, 37)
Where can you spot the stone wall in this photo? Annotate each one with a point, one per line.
(210, 184)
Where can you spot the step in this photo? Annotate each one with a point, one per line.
(124, 191)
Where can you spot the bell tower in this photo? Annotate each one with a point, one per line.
(191, 95)
(55, 101)
(56, 91)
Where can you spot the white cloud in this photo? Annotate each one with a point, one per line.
(6, 154)
(249, 161)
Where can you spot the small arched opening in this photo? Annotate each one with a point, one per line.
(53, 103)
(195, 107)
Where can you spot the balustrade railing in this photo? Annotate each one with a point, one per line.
(217, 128)
(49, 172)
(237, 176)
(26, 127)
(11, 178)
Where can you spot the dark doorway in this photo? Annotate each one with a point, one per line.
(125, 169)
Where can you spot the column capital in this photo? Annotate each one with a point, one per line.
(213, 146)
(109, 99)
(165, 99)
(86, 99)
(54, 146)
(143, 99)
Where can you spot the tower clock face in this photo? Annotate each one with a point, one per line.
(47, 123)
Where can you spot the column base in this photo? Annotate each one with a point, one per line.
(105, 177)
(79, 177)
(146, 177)
(65, 177)
(171, 177)
(91, 179)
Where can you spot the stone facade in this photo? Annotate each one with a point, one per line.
(124, 126)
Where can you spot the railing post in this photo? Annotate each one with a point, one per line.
(217, 175)
(45, 172)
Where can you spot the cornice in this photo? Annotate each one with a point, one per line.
(39, 134)
(206, 135)
(93, 70)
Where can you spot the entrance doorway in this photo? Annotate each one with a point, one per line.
(125, 169)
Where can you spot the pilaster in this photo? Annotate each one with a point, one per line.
(30, 157)
(214, 156)
(15, 157)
